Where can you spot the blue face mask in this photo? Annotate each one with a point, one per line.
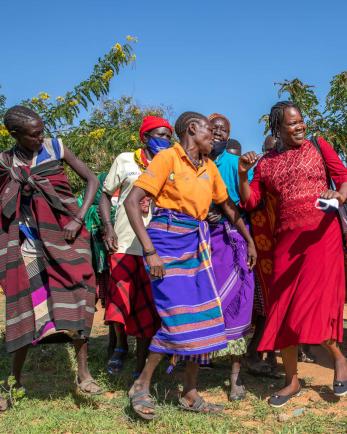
(156, 144)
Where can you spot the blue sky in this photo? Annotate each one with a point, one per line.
(219, 56)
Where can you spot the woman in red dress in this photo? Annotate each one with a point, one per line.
(307, 297)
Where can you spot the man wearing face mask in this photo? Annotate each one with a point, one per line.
(129, 303)
(235, 282)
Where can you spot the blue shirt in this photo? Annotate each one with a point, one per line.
(228, 168)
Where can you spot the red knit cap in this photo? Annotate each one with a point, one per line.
(151, 122)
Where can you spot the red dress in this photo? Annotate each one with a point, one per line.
(307, 294)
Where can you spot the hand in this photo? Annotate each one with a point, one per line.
(214, 216)
(71, 230)
(252, 255)
(247, 161)
(332, 194)
(110, 240)
(156, 266)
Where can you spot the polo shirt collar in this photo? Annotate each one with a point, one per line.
(182, 154)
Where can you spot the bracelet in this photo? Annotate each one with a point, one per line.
(77, 219)
(150, 253)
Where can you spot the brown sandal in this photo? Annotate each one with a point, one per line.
(82, 386)
(145, 400)
(200, 406)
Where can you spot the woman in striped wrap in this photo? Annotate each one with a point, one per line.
(183, 183)
(45, 258)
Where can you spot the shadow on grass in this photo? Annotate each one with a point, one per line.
(49, 373)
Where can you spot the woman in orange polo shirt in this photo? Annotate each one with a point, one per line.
(183, 182)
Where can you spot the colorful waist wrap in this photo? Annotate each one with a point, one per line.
(55, 292)
(235, 283)
(186, 298)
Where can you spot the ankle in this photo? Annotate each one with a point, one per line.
(141, 385)
(190, 394)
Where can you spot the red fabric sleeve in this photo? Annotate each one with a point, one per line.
(257, 190)
(337, 171)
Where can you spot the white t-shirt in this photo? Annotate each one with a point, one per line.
(122, 175)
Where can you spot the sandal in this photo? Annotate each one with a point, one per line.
(83, 386)
(138, 399)
(200, 406)
(116, 363)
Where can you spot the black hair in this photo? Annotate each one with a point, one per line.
(277, 114)
(233, 144)
(17, 116)
(185, 119)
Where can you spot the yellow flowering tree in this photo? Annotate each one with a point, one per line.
(111, 128)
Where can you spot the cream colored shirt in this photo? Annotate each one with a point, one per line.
(122, 175)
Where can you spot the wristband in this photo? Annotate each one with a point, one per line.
(149, 253)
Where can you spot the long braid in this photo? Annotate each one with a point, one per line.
(277, 114)
(17, 116)
(185, 119)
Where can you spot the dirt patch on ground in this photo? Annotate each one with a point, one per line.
(317, 396)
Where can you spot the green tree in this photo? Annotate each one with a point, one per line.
(111, 128)
(329, 122)
(60, 114)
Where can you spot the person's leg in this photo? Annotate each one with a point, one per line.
(339, 360)
(18, 360)
(253, 355)
(290, 362)
(142, 345)
(271, 359)
(190, 398)
(255, 363)
(85, 380)
(112, 340)
(115, 364)
(237, 388)
(190, 382)
(142, 385)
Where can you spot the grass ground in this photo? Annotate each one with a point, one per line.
(53, 406)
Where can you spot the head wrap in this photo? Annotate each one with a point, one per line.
(151, 122)
(219, 116)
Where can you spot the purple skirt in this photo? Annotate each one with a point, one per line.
(235, 283)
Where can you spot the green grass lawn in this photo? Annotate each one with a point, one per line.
(53, 406)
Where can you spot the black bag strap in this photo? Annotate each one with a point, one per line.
(316, 145)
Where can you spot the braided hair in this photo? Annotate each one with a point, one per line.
(17, 116)
(277, 115)
(185, 119)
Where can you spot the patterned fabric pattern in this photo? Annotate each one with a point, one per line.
(186, 298)
(235, 283)
(129, 299)
(296, 178)
(71, 280)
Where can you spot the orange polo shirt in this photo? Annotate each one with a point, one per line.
(175, 183)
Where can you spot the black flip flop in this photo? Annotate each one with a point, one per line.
(340, 388)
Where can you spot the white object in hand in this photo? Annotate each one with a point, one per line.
(327, 205)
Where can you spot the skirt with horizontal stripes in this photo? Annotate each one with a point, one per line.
(186, 299)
